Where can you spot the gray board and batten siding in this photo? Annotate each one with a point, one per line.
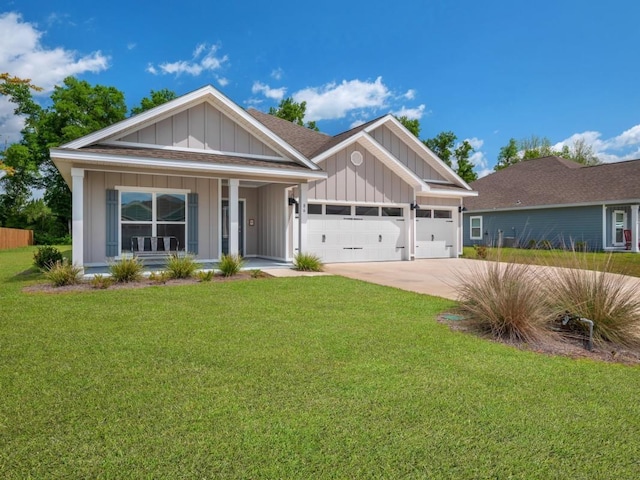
(200, 127)
(560, 226)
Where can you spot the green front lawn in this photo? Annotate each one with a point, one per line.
(318, 377)
(626, 263)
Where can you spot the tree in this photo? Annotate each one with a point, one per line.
(537, 147)
(413, 125)
(442, 145)
(509, 155)
(293, 112)
(77, 109)
(155, 98)
(464, 167)
(445, 147)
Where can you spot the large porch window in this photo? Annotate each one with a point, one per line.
(152, 214)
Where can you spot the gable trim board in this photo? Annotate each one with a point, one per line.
(95, 165)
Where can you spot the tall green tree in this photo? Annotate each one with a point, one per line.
(443, 146)
(77, 108)
(294, 112)
(155, 98)
(509, 155)
(411, 124)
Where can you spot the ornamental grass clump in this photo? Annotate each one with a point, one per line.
(126, 270)
(307, 262)
(506, 301)
(230, 265)
(183, 266)
(63, 273)
(589, 290)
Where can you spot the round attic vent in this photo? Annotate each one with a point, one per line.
(356, 158)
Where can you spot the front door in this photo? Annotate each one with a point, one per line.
(225, 227)
(619, 224)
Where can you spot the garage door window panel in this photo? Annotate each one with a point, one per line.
(391, 211)
(442, 214)
(315, 209)
(423, 213)
(364, 211)
(338, 209)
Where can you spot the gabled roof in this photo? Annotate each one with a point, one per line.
(554, 181)
(204, 94)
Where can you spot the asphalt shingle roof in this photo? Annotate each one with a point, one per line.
(555, 181)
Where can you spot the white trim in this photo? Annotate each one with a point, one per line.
(128, 188)
(254, 156)
(206, 93)
(410, 137)
(471, 227)
(608, 203)
(604, 227)
(242, 200)
(614, 229)
(77, 216)
(185, 165)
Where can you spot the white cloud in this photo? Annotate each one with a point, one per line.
(131, 45)
(223, 81)
(23, 54)
(411, 113)
(335, 100)
(267, 91)
(277, 74)
(205, 58)
(625, 146)
(410, 94)
(476, 143)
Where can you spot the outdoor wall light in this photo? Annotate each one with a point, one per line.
(292, 201)
(462, 209)
(414, 206)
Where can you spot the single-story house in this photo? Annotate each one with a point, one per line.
(203, 175)
(558, 202)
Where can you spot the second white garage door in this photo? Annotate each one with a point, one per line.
(358, 234)
(435, 234)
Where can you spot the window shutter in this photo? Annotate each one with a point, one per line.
(192, 223)
(112, 223)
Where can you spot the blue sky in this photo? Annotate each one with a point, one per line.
(487, 71)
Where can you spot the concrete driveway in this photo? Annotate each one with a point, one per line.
(439, 277)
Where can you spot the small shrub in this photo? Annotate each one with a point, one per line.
(160, 277)
(545, 245)
(205, 275)
(101, 282)
(307, 262)
(46, 256)
(581, 247)
(126, 270)
(506, 301)
(63, 273)
(591, 291)
(256, 273)
(481, 251)
(230, 265)
(181, 266)
(532, 244)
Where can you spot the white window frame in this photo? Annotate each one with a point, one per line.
(613, 227)
(154, 219)
(471, 227)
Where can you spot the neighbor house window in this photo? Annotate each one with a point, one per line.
(152, 214)
(476, 228)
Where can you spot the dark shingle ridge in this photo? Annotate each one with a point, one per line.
(550, 181)
(303, 139)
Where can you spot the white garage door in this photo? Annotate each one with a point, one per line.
(348, 233)
(435, 233)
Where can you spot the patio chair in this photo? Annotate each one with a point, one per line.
(627, 240)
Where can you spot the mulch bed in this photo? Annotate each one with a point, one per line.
(85, 286)
(566, 346)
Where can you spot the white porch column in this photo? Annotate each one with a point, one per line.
(77, 216)
(303, 189)
(234, 246)
(634, 229)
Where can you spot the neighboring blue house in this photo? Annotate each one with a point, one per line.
(557, 201)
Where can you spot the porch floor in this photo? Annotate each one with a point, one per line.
(252, 263)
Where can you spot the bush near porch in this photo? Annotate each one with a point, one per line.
(319, 377)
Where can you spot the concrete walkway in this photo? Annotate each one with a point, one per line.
(439, 277)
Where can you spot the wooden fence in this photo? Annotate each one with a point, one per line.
(14, 238)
